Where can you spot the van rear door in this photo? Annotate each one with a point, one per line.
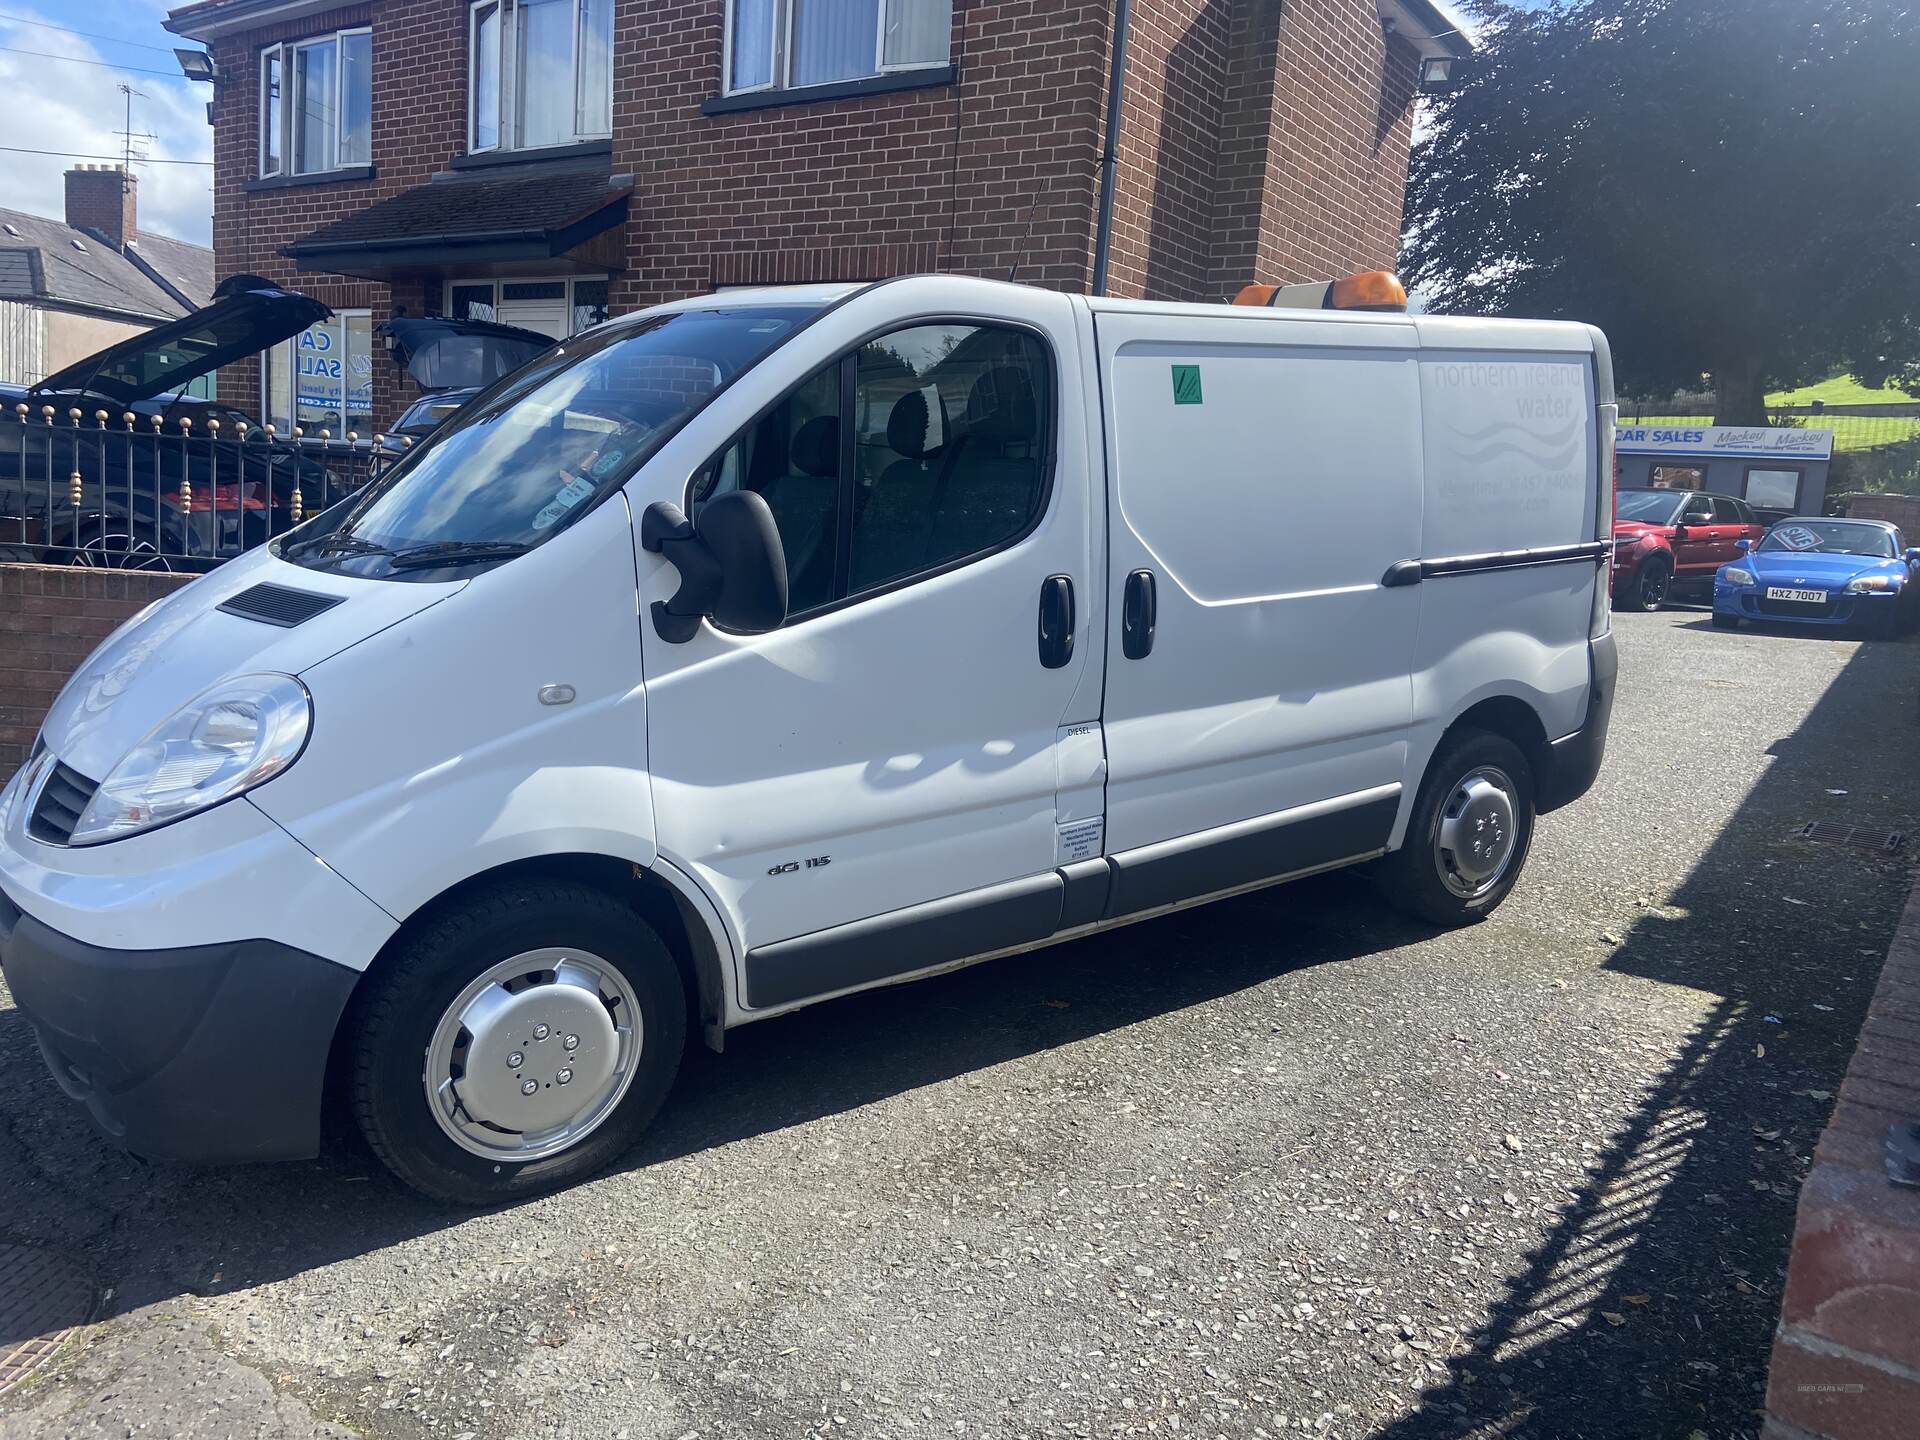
(1264, 474)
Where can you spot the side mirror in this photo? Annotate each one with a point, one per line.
(733, 569)
(1743, 544)
(1913, 554)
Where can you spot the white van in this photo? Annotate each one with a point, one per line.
(768, 646)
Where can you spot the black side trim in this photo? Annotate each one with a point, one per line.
(1086, 899)
(1020, 912)
(1588, 550)
(1244, 854)
(840, 90)
(1401, 572)
(205, 1053)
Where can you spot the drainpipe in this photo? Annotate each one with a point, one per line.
(1110, 156)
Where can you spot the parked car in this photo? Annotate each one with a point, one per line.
(1068, 643)
(1811, 570)
(451, 361)
(154, 497)
(1670, 543)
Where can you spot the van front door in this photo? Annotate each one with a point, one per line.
(1265, 478)
(871, 790)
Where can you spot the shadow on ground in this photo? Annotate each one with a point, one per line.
(153, 1232)
(1649, 1310)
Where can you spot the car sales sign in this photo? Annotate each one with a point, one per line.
(1736, 441)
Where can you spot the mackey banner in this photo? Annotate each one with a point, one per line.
(1733, 441)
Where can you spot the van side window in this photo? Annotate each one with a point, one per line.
(791, 456)
(952, 457)
(949, 426)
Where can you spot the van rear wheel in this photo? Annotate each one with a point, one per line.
(517, 1043)
(1468, 836)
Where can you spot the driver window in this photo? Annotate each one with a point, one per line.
(791, 457)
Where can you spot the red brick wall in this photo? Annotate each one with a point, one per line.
(103, 198)
(1260, 139)
(51, 617)
(1846, 1359)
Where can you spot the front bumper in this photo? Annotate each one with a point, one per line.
(205, 1053)
(1872, 610)
(1575, 759)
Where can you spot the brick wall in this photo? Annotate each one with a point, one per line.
(1901, 510)
(103, 198)
(1261, 139)
(1846, 1358)
(51, 617)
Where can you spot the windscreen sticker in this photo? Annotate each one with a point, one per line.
(608, 461)
(1798, 537)
(576, 490)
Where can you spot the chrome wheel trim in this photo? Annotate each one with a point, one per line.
(564, 1022)
(112, 550)
(1476, 833)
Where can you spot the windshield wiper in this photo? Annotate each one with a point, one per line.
(333, 542)
(456, 552)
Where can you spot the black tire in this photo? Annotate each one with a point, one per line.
(1726, 622)
(1412, 877)
(1647, 592)
(396, 1010)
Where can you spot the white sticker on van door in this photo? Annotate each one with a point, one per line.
(1080, 840)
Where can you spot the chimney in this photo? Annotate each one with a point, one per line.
(101, 197)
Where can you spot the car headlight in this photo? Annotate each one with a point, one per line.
(239, 734)
(1734, 575)
(1866, 584)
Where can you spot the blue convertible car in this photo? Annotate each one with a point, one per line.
(1813, 571)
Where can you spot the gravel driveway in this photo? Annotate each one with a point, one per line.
(1284, 1165)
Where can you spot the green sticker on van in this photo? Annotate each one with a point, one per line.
(1186, 385)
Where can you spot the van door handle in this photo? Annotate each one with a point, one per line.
(1056, 621)
(1138, 615)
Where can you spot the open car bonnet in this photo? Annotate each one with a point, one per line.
(459, 354)
(247, 315)
(212, 629)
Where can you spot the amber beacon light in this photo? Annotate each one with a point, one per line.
(1369, 290)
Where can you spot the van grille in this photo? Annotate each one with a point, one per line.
(278, 605)
(63, 798)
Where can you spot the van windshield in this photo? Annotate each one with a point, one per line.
(537, 450)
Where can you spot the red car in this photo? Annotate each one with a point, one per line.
(1670, 542)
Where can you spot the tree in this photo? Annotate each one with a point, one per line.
(1729, 188)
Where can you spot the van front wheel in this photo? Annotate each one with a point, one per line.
(1468, 836)
(516, 1043)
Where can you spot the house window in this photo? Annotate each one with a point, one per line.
(554, 307)
(790, 44)
(316, 104)
(322, 379)
(540, 73)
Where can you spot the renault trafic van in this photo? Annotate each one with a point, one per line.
(764, 647)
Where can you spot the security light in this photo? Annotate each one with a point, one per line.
(1436, 74)
(196, 65)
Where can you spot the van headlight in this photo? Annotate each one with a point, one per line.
(239, 734)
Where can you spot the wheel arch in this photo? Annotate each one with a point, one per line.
(656, 897)
(1511, 718)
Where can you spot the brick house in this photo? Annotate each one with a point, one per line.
(548, 162)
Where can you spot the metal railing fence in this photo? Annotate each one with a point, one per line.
(144, 492)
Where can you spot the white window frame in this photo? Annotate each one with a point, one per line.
(496, 281)
(339, 424)
(782, 43)
(284, 53)
(504, 126)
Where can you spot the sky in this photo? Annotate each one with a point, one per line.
(59, 102)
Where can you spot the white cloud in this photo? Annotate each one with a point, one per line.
(75, 109)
